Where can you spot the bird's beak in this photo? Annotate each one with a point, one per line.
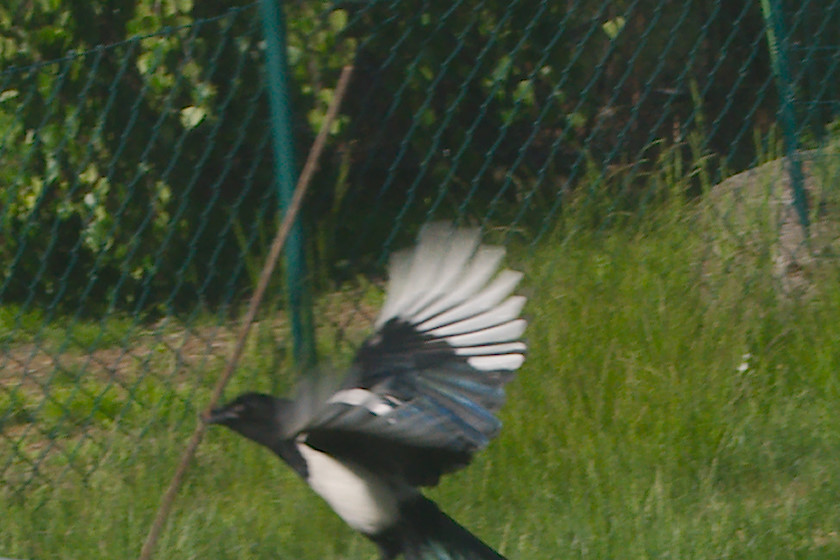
(220, 415)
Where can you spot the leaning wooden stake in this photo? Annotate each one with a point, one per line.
(256, 299)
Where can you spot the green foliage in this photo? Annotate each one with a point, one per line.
(486, 112)
(95, 154)
(135, 156)
(126, 166)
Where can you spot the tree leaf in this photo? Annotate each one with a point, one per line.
(192, 116)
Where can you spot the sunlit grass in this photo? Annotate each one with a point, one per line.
(670, 407)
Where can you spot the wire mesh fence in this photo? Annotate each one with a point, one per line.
(138, 192)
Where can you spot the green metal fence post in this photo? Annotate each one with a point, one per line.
(298, 296)
(778, 43)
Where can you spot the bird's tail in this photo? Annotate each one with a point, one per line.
(429, 534)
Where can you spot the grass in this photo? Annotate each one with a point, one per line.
(674, 404)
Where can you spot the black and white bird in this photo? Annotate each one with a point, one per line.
(417, 402)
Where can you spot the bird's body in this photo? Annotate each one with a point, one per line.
(417, 403)
(364, 501)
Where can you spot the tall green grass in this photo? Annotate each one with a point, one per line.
(675, 404)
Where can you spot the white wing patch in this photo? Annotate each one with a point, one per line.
(495, 363)
(376, 404)
(508, 311)
(445, 288)
(485, 300)
(506, 331)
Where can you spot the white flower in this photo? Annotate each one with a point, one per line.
(745, 363)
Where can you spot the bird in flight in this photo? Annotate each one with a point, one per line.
(418, 401)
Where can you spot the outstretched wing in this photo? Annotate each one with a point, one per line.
(422, 392)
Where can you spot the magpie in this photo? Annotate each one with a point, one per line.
(417, 402)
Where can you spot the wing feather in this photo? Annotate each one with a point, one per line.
(425, 387)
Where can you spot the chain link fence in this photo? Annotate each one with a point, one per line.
(138, 193)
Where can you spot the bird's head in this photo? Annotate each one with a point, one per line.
(254, 415)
